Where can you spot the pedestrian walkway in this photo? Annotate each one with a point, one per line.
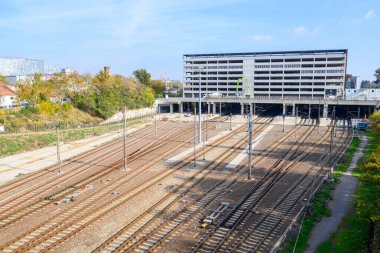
(339, 205)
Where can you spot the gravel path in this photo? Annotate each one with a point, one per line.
(339, 205)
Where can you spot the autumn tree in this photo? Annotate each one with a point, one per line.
(34, 90)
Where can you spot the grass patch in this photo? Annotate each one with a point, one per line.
(13, 144)
(318, 208)
(353, 234)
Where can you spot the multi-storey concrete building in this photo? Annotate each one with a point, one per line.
(298, 74)
(11, 66)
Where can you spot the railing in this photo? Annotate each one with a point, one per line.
(263, 98)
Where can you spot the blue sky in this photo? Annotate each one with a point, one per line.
(154, 34)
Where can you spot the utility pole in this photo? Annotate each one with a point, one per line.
(250, 130)
(283, 122)
(195, 142)
(200, 108)
(295, 123)
(230, 121)
(331, 142)
(203, 145)
(155, 124)
(206, 126)
(58, 152)
(125, 137)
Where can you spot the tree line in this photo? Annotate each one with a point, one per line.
(101, 95)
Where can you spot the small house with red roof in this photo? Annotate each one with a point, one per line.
(7, 97)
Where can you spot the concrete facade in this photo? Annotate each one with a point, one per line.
(276, 75)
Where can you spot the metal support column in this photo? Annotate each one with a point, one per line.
(59, 152)
(250, 151)
(125, 137)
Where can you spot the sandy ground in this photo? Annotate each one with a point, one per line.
(339, 205)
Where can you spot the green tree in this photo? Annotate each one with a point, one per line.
(3, 79)
(143, 76)
(377, 75)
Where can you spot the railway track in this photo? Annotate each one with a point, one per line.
(214, 239)
(257, 237)
(152, 231)
(82, 217)
(7, 205)
(148, 221)
(54, 168)
(11, 216)
(142, 238)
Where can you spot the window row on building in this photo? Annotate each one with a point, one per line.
(324, 68)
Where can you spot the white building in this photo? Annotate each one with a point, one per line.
(312, 74)
(363, 94)
(7, 97)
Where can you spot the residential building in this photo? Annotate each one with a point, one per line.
(7, 97)
(313, 74)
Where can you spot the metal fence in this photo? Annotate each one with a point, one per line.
(10, 127)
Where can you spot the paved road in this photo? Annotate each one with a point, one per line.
(339, 205)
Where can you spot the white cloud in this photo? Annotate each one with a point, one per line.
(370, 14)
(303, 30)
(261, 37)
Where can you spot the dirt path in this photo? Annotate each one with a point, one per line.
(339, 205)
